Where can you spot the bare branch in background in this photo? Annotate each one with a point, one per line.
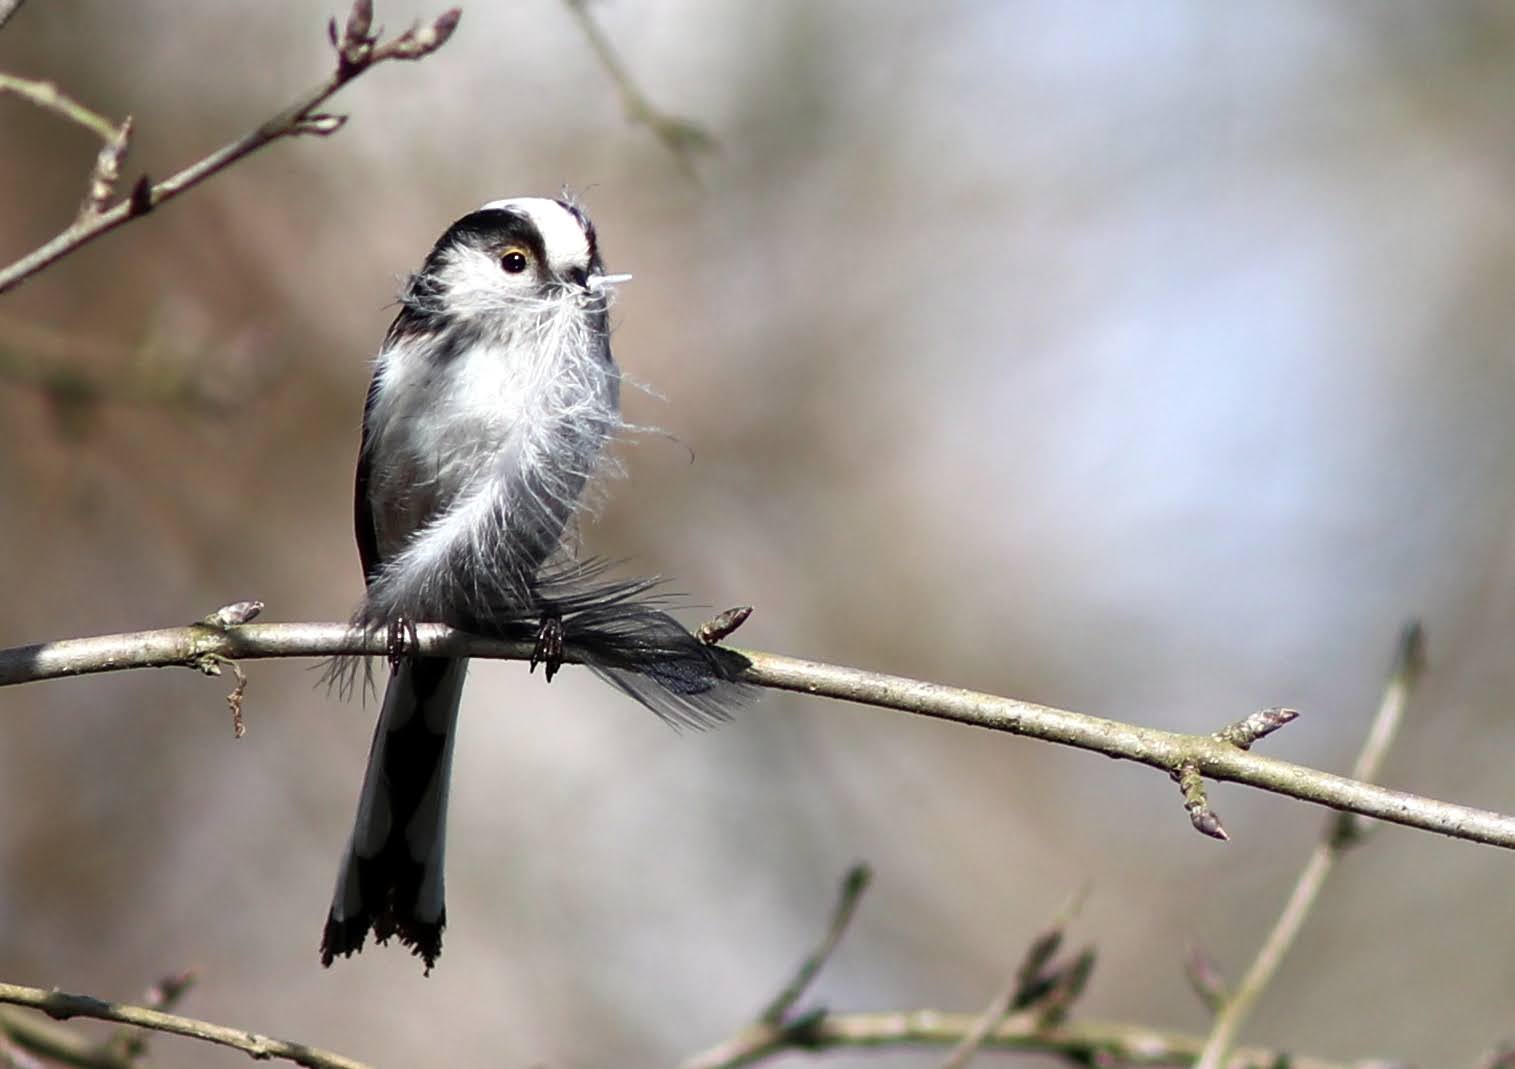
(1341, 832)
(7, 9)
(107, 172)
(116, 138)
(853, 885)
(1167, 751)
(166, 370)
(1027, 1018)
(684, 139)
(1501, 1057)
(46, 95)
(61, 1006)
(130, 1043)
(1205, 978)
(1045, 989)
(1037, 985)
(1084, 1043)
(357, 51)
(25, 1031)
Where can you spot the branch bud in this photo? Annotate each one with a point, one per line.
(421, 41)
(359, 22)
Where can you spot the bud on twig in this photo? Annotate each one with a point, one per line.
(421, 41)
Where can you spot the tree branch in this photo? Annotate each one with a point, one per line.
(7, 9)
(57, 1042)
(853, 885)
(1038, 983)
(357, 51)
(1084, 1043)
(1027, 1017)
(202, 644)
(46, 95)
(61, 1043)
(1341, 832)
(62, 1006)
(680, 136)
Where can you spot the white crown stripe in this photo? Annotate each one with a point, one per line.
(563, 237)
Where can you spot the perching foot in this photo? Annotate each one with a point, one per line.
(549, 648)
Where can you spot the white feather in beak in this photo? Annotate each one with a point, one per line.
(599, 282)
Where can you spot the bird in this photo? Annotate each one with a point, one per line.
(493, 397)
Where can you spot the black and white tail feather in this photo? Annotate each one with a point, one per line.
(492, 399)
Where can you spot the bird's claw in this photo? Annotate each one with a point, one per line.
(548, 651)
(401, 641)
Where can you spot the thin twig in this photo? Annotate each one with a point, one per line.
(680, 136)
(62, 1006)
(58, 1042)
(776, 1024)
(357, 51)
(13, 1057)
(1205, 978)
(116, 138)
(1030, 984)
(1241, 734)
(1501, 1057)
(75, 391)
(49, 96)
(130, 1043)
(1163, 750)
(1083, 1043)
(107, 172)
(850, 893)
(1336, 839)
(183, 374)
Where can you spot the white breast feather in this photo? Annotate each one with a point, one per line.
(515, 423)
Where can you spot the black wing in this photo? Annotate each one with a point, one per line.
(362, 512)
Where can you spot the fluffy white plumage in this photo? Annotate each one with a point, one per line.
(499, 442)
(492, 400)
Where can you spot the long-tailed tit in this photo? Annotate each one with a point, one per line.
(492, 399)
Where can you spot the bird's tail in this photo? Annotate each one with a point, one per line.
(391, 876)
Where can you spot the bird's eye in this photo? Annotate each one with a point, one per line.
(514, 261)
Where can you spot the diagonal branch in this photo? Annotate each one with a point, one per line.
(357, 51)
(193, 646)
(680, 136)
(1038, 983)
(48, 96)
(57, 1042)
(1028, 1018)
(778, 1027)
(7, 9)
(1083, 1043)
(1341, 832)
(62, 1006)
(853, 885)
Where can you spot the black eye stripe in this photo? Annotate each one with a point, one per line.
(491, 231)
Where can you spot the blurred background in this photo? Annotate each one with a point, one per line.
(1151, 362)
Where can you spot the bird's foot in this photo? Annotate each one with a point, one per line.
(401, 641)
(549, 648)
